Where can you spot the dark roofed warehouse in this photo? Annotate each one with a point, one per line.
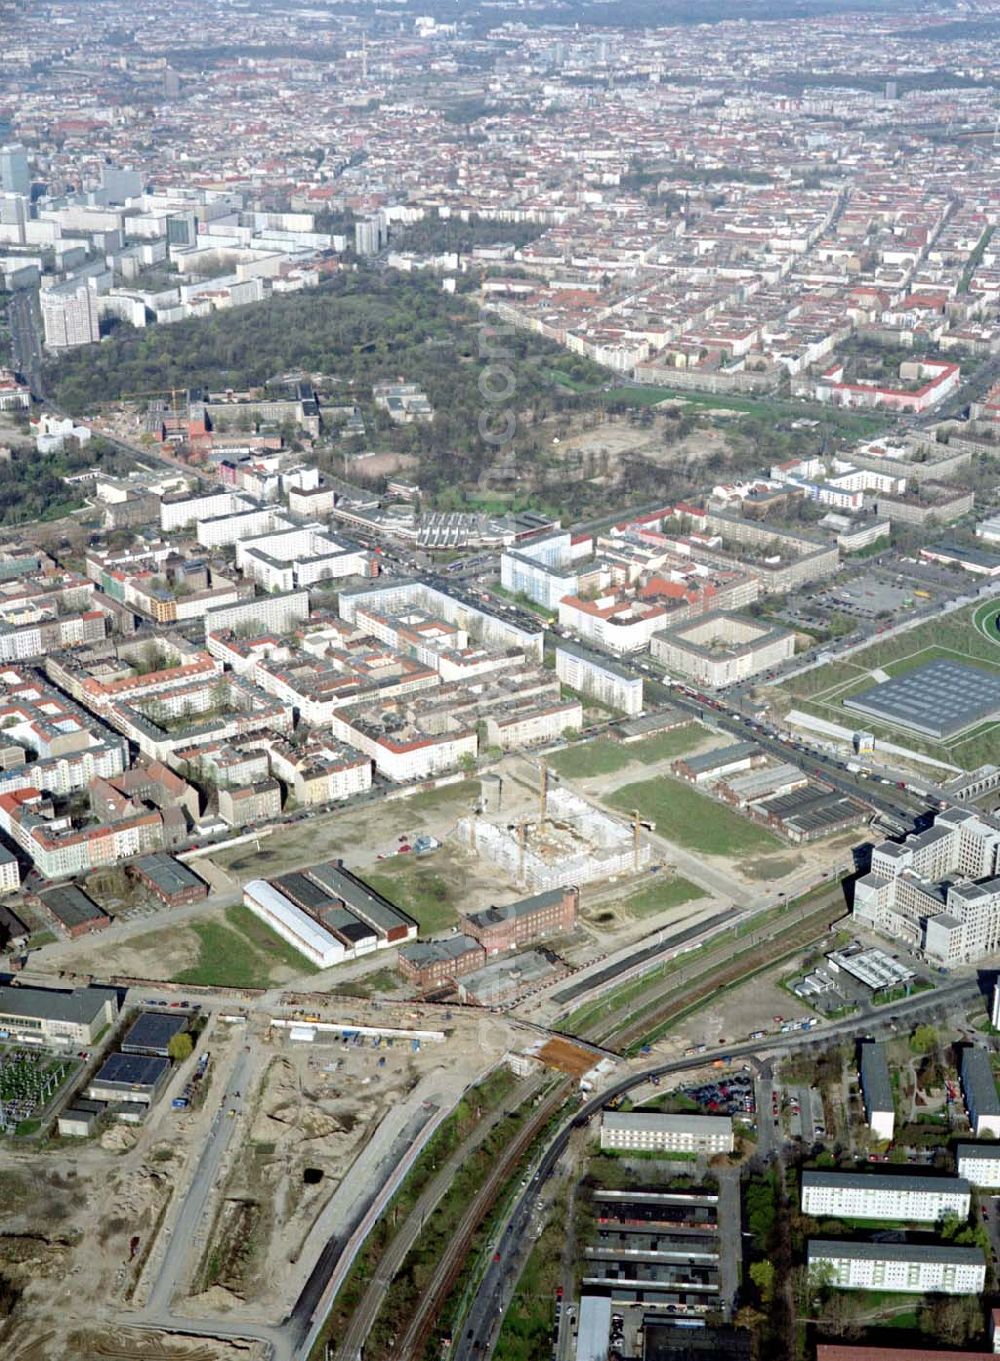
(151, 1033)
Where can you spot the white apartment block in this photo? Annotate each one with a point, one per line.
(544, 569)
(178, 514)
(876, 1090)
(408, 756)
(654, 1132)
(222, 531)
(899, 1267)
(69, 315)
(979, 1164)
(599, 678)
(396, 595)
(863, 1195)
(269, 614)
(10, 873)
(535, 724)
(718, 649)
(300, 557)
(617, 623)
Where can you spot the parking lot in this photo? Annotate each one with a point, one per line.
(727, 1096)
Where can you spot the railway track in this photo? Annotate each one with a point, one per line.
(687, 987)
(412, 1345)
(680, 991)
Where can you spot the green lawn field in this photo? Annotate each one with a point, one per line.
(659, 894)
(969, 636)
(429, 894)
(604, 757)
(691, 819)
(241, 952)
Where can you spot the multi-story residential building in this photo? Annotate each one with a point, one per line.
(654, 1132)
(903, 1268)
(873, 1195)
(268, 614)
(301, 556)
(10, 872)
(531, 722)
(186, 511)
(720, 649)
(222, 531)
(250, 805)
(979, 1088)
(59, 850)
(529, 919)
(488, 627)
(616, 621)
(876, 1090)
(70, 315)
(922, 384)
(43, 611)
(598, 678)
(552, 566)
(979, 1164)
(319, 772)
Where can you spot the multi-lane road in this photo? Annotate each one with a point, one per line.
(25, 340)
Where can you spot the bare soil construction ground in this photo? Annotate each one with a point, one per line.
(131, 1344)
(738, 1012)
(82, 1245)
(357, 834)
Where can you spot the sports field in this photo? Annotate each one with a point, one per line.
(970, 635)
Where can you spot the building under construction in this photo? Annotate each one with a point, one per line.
(569, 842)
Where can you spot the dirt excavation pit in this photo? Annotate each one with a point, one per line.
(318, 1108)
(66, 1248)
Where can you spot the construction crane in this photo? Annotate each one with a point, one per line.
(547, 778)
(521, 828)
(638, 824)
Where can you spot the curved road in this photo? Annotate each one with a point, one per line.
(481, 1325)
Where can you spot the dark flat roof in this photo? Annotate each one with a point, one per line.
(168, 874)
(152, 1031)
(131, 1070)
(71, 905)
(524, 907)
(937, 699)
(302, 891)
(896, 1252)
(875, 1077)
(979, 1082)
(363, 900)
(886, 1181)
(79, 1007)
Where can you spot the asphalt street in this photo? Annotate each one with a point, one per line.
(184, 1233)
(481, 1326)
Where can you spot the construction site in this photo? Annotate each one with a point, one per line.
(216, 1216)
(568, 842)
